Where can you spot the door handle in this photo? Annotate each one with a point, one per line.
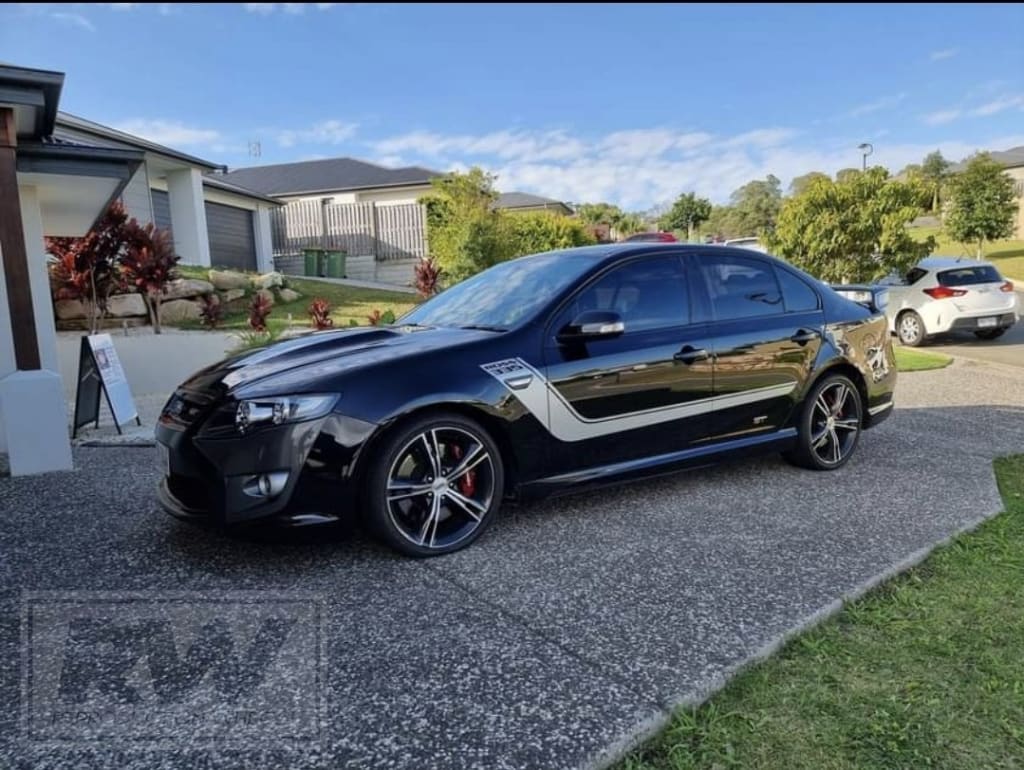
(690, 354)
(803, 336)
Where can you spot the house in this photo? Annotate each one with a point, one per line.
(213, 221)
(520, 201)
(1012, 161)
(344, 180)
(49, 185)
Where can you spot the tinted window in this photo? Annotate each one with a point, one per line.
(796, 294)
(648, 293)
(967, 276)
(741, 287)
(505, 294)
(915, 274)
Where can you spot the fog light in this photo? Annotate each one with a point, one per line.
(266, 485)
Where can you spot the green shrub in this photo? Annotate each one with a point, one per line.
(535, 231)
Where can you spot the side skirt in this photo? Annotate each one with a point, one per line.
(657, 465)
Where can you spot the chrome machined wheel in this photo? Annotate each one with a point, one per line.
(835, 423)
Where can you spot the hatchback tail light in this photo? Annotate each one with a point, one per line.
(944, 292)
(1008, 286)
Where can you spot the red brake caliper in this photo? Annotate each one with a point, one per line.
(467, 484)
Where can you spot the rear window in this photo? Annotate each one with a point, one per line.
(967, 276)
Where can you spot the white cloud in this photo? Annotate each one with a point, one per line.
(169, 132)
(292, 9)
(941, 117)
(640, 167)
(875, 106)
(944, 53)
(121, 6)
(999, 105)
(73, 19)
(324, 132)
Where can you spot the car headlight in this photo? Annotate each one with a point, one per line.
(276, 410)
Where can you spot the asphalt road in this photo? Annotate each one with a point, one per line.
(566, 633)
(1008, 349)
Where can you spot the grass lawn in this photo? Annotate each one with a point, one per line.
(347, 302)
(1008, 256)
(910, 360)
(925, 671)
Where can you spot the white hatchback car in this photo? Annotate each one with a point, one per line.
(945, 294)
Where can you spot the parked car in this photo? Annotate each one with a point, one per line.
(943, 294)
(556, 371)
(747, 243)
(651, 238)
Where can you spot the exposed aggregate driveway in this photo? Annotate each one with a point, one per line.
(558, 640)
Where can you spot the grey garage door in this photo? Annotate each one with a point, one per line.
(232, 243)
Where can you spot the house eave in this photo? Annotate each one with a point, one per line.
(333, 190)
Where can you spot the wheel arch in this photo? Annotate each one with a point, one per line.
(489, 422)
(853, 374)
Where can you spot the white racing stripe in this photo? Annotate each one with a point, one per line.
(566, 424)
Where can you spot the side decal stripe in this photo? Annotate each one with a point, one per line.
(565, 424)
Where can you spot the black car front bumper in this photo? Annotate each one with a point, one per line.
(297, 473)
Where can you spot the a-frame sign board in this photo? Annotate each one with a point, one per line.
(99, 369)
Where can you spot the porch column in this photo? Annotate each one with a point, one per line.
(188, 213)
(33, 414)
(261, 233)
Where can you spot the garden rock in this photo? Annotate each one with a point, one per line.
(267, 294)
(288, 295)
(68, 309)
(178, 310)
(268, 281)
(187, 287)
(232, 294)
(124, 305)
(228, 279)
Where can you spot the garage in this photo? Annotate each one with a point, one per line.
(232, 243)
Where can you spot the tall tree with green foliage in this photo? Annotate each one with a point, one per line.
(801, 183)
(463, 228)
(721, 222)
(853, 229)
(935, 171)
(846, 174)
(599, 213)
(686, 213)
(756, 205)
(982, 203)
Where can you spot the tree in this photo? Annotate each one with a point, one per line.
(148, 263)
(801, 183)
(462, 225)
(756, 205)
(722, 222)
(846, 174)
(935, 170)
(982, 203)
(850, 230)
(87, 268)
(629, 223)
(686, 213)
(599, 213)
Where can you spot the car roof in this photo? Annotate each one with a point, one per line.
(610, 252)
(940, 263)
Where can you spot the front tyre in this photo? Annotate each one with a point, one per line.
(910, 329)
(829, 425)
(435, 485)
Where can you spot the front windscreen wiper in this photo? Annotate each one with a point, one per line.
(485, 327)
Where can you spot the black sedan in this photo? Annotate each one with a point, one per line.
(551, 372)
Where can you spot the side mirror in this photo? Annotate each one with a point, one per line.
(592, 325)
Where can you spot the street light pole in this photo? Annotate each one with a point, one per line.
(866, 148)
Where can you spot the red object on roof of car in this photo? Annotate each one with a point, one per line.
(653, 237)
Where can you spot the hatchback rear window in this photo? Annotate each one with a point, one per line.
(966, 276)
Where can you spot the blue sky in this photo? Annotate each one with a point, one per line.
(628, 103)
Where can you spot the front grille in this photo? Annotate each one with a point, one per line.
(190, 492)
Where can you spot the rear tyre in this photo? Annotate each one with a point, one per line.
(910, 329)
(829, 425)
(989, 334)
(435, 485)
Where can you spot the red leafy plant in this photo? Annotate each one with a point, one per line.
(149, 264)
(428, 275)
(87, 268)
(320, 314)
(378, 318)
(259, 309)
(212, 312)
